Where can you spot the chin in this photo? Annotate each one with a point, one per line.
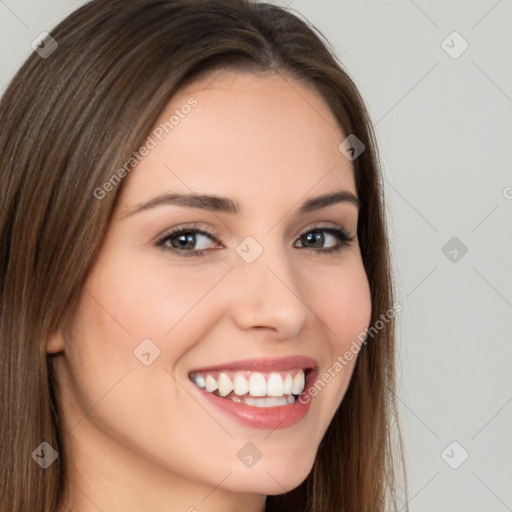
(272, 480)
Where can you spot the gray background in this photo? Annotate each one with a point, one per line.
(445, 128)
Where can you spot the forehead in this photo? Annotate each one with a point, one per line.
(245, 134)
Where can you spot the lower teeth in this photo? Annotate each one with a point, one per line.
(263, 402)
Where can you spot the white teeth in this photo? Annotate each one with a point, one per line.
(240, 385)
(298, 383)
(263, 402)
(288, 385)
(275, 385)
(267, 402)
(257, 385)
(210, 384)
(225, 385)
(199, 380)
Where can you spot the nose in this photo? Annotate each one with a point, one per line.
(268, 294)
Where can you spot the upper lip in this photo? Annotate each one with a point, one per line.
(263, 364)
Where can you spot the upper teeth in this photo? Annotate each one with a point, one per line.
(255, 383)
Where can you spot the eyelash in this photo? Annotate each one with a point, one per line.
(343, 237)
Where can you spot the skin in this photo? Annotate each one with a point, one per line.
(141, 437)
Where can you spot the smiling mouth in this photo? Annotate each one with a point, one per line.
(257, 389)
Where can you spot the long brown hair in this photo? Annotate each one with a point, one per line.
(68, 122)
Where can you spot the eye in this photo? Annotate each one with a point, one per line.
(191, 241)
(315, 238)
(187, 241)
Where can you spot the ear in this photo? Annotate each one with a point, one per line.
(55, 343)
(57, 340)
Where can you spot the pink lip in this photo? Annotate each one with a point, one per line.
(264, 365)
(270, 418)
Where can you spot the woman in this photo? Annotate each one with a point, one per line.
(256, 374)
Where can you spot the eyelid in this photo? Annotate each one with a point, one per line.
(190, 227)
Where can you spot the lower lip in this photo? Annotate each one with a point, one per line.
(272, 418)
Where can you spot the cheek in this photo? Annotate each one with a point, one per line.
(108, 386)
(342, 300)
(126, 304)
(156, 298)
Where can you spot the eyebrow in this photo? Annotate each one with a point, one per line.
(220, 204)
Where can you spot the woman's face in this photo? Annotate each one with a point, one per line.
(246, 298)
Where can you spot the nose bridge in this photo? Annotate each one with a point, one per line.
(269, 293)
